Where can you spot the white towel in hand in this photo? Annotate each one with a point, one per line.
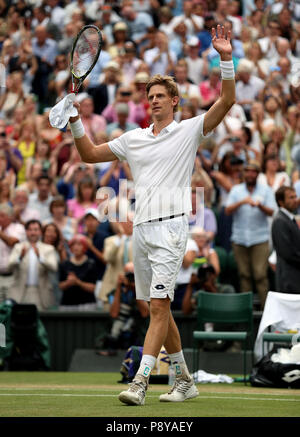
(62, 111)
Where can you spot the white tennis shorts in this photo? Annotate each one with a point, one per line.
(158, 251)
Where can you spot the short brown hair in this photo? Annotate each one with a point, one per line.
(168, 82)
(87, 181)
(57, 201)
(280, 193)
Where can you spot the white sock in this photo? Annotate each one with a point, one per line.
(146, 365)
(179, 365)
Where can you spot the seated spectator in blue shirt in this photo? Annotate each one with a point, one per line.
(251, 204)
(111, 176)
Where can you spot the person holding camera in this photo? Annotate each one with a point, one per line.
(206, 280)
(111, 176)
(7, 177)
(125, 311)
(205, 253)
(14, 158)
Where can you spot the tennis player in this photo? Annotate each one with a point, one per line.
(161, 159)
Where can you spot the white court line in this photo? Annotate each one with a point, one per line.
(120, 388)
(149, 396)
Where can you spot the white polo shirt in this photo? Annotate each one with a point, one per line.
(161, 166)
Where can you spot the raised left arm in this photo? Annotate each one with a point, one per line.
(219, 109)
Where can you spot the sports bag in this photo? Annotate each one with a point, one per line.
(267, 373)
(131, 363)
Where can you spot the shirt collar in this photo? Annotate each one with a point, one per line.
(168, 128)
(288, 213)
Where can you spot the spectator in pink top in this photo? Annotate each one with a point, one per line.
(137, 111)
(210, 89)
(85, 199)
(93, 123)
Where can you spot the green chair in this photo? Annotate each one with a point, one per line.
(232, 271)
(231, 262)
(231, 309)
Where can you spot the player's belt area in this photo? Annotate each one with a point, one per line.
(166, 218)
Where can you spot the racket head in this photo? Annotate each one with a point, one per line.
(85, 52)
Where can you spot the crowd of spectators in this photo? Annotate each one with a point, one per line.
(55, 249)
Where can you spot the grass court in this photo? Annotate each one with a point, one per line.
(67, 394)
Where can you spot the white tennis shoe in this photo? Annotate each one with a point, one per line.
(181, 390)
(136, 393)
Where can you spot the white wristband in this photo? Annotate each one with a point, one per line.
(77, 129)
(227, 70)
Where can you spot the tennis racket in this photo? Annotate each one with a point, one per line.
(85, 53)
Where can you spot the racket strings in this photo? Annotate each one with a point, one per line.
(85, 51)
